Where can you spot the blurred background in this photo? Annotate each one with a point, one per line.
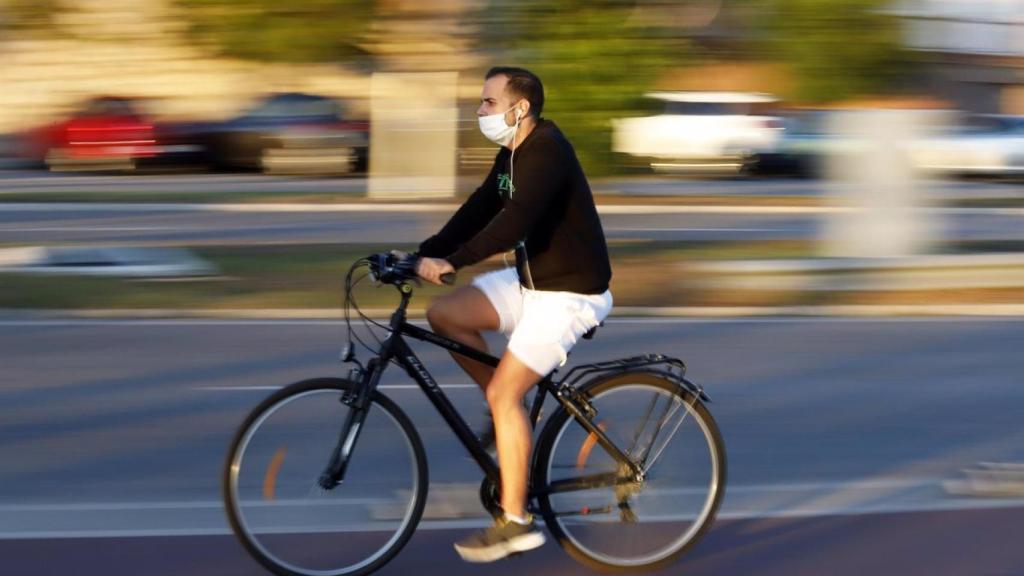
(748, 84)
(818, 204)
(876, 129)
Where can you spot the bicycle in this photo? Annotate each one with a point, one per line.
(328, 476)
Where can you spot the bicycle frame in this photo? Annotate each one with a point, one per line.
(396, 349)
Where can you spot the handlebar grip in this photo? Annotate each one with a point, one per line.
(448, 279)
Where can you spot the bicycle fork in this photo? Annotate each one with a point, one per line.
(358, 402)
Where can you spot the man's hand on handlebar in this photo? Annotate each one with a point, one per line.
(431, 269)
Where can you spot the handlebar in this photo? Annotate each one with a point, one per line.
(392, 268)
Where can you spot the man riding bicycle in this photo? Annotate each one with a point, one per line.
(536, 201)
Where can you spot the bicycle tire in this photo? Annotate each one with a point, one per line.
(271, 512)
(590, 534)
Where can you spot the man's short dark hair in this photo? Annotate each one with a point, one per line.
(523, 84)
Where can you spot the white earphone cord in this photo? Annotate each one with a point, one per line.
(512, 158)
(512, 173)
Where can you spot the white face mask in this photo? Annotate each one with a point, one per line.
(495, 129)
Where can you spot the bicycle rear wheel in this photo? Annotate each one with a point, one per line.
(620, 524)
(279, 512)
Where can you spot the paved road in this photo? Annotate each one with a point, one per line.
(32, 181)
(841, 435)
(196, 225)
(963, 543)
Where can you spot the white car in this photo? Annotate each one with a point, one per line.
(700, 131)
(984, 145)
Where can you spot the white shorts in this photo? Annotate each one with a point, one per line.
(542, 326)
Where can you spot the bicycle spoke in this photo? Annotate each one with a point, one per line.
(648, 464)
(639, 433)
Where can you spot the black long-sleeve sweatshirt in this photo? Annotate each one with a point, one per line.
(547, 203)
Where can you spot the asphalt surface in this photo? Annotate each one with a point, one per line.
(142, 226)
(21, 181)
(136, 225)
(843, 436)
(169, 224)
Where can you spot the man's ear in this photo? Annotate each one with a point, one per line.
(523, 109)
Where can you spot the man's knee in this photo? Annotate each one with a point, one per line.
(502, 397)
(494, 395)
(437, 315)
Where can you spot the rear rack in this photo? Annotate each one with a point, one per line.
(673, 368)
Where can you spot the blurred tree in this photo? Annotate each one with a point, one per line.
(596, 59)
(837, 49)
(28, 14)
(302, 31)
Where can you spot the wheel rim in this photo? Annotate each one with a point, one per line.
(368, 512)
(680, 500)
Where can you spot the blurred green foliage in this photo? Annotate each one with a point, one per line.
(29, 14)
(836, 49)
(281, 31)
(596, 59)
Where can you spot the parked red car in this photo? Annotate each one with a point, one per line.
(107, 134)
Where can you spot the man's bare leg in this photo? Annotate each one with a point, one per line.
(515, 533)
(462, 315)
(512, 380)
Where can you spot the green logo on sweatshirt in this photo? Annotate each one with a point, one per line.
(505, 185)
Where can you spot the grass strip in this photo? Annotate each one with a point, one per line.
(647, 273)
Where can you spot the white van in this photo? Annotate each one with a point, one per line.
(700, 131)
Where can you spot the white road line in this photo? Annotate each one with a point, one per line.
(799, 499)
(109, 506)
(382, 387)
(710, 318)
(128, 533)
(97, 229)
(170, 505)
(653, 208)
(213, 207)
(655, 229)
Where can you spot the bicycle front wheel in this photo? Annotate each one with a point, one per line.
(600, 513)
(276, 506)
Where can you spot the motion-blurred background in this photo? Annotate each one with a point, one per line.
(748, 84)
(875, 128)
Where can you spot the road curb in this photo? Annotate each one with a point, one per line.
(331, 314)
